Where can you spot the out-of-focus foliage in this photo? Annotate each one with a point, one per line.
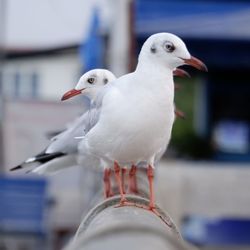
(184, 139)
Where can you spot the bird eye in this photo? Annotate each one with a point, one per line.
(105, 80)
(169, 47)
(153, 49)
(91, 80)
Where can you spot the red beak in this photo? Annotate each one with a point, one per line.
(179, 113)
(195, 62)
(71, 93)
(181, 73)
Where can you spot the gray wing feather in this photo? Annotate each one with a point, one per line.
(66, 142)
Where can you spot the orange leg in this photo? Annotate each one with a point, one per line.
(150, 173)
(124, 170)
(179, 113)
(132, 180)
(119, 182)
(107, 184)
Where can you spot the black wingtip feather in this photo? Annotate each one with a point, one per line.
(16, 168)
(41, 158)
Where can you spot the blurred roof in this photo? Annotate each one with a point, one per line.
(42, 25)
(216, 31)
(194, 19)
(43, 52)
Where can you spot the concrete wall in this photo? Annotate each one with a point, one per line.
(208, 189)
(26, 124)
(55, 73)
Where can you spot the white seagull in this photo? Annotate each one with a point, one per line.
(136, 112)
(86, 159)
(62, 150)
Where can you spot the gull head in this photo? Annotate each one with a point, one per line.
(168, 50)
(90, 83)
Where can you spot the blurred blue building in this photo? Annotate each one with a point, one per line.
(23, 213)
(218, 33)
(92, 49)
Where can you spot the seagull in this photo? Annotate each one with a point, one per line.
(85, 158)
(62, 150)
(135, 114)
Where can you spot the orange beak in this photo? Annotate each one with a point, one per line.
(181, 73)
(196, 63)
(71, 93)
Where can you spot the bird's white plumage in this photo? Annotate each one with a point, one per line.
(56, 165)
(140, 125)
(65, 142)
(137, 112)
(100, 78)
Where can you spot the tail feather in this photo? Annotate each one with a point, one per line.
(40, 158)
(16, 168)
(47, 157)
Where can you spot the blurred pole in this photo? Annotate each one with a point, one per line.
(129, 227)
(3, 9)
(119, 43)
(108, 226)
(132, 37)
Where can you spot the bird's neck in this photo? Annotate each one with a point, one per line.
(92, 94)
(160, 73)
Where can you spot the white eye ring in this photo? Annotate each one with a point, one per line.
(169, 47)
(91, 80)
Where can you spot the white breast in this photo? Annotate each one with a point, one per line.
(134, 125)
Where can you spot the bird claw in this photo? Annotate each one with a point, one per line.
(124, 203)
(150, 208)
(154, 210)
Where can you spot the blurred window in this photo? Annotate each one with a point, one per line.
(21, 85)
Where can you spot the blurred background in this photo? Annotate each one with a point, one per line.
(204, 179)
